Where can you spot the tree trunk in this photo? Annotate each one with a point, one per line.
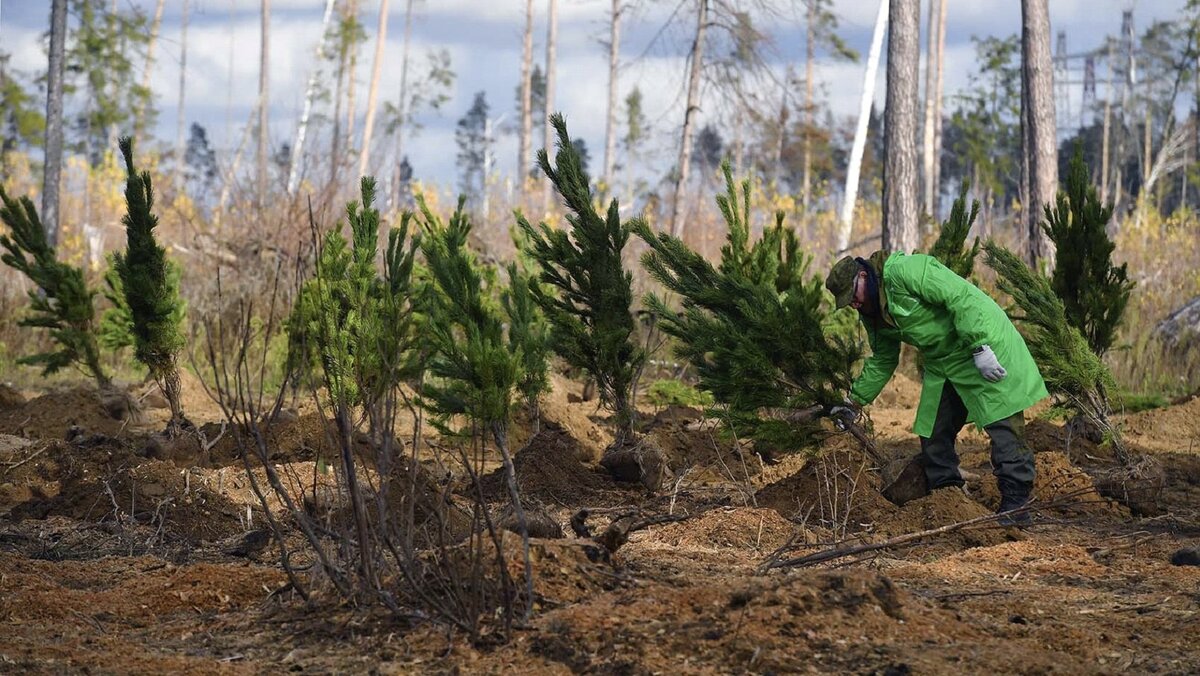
(900, 128)
(54, 120)
(806, 171)
(364, 155)
(931, 48)
(860, 132)
(1041, 147)
(937, 108)
(309, 92)
(351, 72)
(525, 132)
(140, 118)
(500, 436)
(263, 100)
(689, 120)
(610, 123)
(1107, 127)
(781, 130)
(402, 107)
(551, 45)
(180, 139)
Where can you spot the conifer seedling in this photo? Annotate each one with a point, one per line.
(951, 245)
(61, 301)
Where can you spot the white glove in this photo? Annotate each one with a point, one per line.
(846, 412)
(988, 365)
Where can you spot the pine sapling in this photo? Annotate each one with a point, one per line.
(951, 245)
(475, 370)
(528, 338)
(1094, 292)
(61, 301)
(752, 327)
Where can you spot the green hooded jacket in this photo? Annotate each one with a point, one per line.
(925, 304)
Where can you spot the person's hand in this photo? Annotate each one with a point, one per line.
(989, 367)
(846, 412)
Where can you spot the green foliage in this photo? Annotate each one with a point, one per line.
(360, 326)
(1093, 291)
(983, 137)
(475, 370)
(1070, 368)
(528, 334)
(21, 122)
(950, 247)
(754, 327)
(670, 392)
(585, 292)
(116, 323)
(61, 301)
(151, 291)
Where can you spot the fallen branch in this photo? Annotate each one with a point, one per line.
(617, 532)
(33, 455)
(839, 551)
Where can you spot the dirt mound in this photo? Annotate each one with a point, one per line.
(835, 490)
(691, 442)
(52, 414)
(1174, 429)
(157, 493)
(739, 528)
(10, 397)
(1057, 481)
(307, 437)
(942, 508)
(579, 419)
(549, 471)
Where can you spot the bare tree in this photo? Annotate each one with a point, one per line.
(937, 107)
(140, 117)
(352, 71)
(310, 91)
(263, 98)
(860, 132)
(364, 154)
(1038, 136)
(525, 132)
(900, 128)
(180, 139)
(551, 45)
(54, 120)
(689, 119)
(402, 104)
(610, 121)
(931, 49)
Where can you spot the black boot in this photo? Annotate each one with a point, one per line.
(1013, 495)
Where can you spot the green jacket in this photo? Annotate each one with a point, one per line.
(946, 317)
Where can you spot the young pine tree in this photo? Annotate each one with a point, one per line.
(528, 338)
(585, 292)
(116, 323)
(1094, 292)
(151, 293)
(476, 371)
(1071, 369)
(951, 245)
(752, 327)
(62, 301)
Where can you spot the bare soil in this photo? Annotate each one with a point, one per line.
(113, 560)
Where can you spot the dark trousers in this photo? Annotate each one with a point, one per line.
(1012, 461)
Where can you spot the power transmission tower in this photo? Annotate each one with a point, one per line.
(1062, 90)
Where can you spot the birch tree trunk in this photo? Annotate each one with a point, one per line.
(937, 108)
(263, 99)
(402, 106)
(351, 72)
(900, 128)
(54, 120)
(610, 123)
(931, 48)
(364, 155)
(689, 120)
(525, 132)
(1041, 148)
(140, 119)
(180, 139)
(860, 132)
(806, 172)
(309, 92)
(551, 45)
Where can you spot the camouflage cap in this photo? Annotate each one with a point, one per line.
(840, 281)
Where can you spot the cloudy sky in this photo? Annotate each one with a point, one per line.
(483, 38)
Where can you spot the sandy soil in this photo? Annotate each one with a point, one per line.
(116, 558)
